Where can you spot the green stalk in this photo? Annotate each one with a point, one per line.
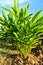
(15, 4)
(18, 4)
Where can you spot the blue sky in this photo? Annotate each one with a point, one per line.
(35, 5)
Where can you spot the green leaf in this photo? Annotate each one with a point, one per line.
(26, 10)
(10, 11)
(1, 18)
(15, 34)
(4, 15)
(36, 17)
(21, 13)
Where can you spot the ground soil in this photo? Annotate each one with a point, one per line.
(35, 58)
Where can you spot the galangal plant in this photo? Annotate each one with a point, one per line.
(20, 28)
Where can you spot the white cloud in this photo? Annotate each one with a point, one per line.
(21, 1)
(10, 2)
(6, 2)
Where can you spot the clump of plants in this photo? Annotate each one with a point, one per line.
(20, 29)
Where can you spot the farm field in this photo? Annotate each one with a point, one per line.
(8, 57)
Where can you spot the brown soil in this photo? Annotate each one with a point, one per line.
(35, 58)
